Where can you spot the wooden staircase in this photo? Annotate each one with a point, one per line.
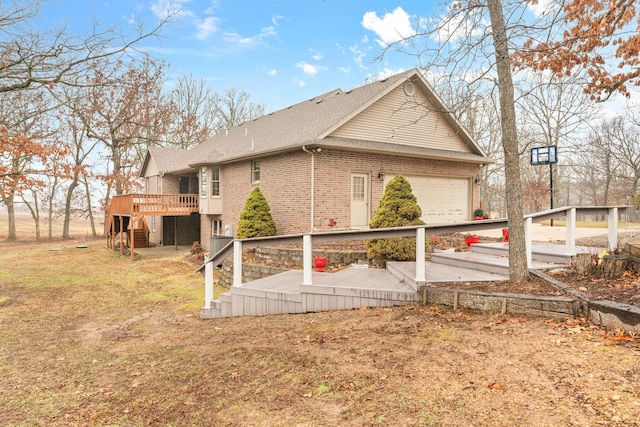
(126, 216)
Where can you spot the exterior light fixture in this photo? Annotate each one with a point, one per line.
(381, 175)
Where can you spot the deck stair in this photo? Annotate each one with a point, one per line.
(356, 287)
(494, 257)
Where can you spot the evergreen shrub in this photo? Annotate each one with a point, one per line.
(398, 208)
(255, 218)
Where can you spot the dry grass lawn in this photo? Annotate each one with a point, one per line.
(88, 338)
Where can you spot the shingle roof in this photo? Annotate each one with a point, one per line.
(168, 159)
(307, 123)
(291, 127)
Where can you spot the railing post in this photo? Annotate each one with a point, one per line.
(307, 252)
(570, 232)
(237, 263)
(420, 255)
(613, 228)
(208, 282)
(527, 239)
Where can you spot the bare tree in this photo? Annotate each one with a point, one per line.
(234, 108)
(31, 58)
(196, 112)
(126, 111)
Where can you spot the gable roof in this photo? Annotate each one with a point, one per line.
(311, 122)
(167, 160)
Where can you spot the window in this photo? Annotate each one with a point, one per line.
(216, 227)
(255, 171)
(358, 189)
(215, 182)
(203, 182)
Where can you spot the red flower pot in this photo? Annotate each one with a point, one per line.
(471, 240)
(320, 263)
(505, 234)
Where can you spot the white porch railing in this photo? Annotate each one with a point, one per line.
(420, 232)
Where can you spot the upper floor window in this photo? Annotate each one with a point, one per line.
(215, 181)
(255, 171)
(203, 182)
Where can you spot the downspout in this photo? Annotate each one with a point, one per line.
(313, 180)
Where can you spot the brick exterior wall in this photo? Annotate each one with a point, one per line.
(285, 181)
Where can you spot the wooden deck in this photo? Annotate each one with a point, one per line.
(127, 213)
(357, 286)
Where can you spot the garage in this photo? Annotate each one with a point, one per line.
(443, 200)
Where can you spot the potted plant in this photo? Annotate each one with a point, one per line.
(320, 263)
(471, 239)
(478, 214)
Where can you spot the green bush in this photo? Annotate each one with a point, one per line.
(398, 208)
(255, 218)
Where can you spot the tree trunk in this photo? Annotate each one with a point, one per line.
(584, 265)
(35, 212)
(11, 217)
(518, 270)
(613, 266)
(90, 208)
(67, 206)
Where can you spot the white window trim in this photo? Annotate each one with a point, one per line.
(215, 196)
(253, 171)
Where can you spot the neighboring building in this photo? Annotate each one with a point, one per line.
(323, 164)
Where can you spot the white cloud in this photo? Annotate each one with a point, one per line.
(237, 39)
(272, 72)
(359, 55)
(308, 69)
(392, 27)
(317, 56)
(207, 27)
(383, 74)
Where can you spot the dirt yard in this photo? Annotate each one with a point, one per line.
(89, 338)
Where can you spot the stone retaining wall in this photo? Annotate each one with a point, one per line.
(264, 262)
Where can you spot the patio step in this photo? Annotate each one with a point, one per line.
(494, 258)
(539, 251)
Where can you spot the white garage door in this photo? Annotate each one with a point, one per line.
(442, 200)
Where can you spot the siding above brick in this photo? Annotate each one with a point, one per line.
(401, 119)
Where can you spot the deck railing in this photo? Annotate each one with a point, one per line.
(236, 247)
(154, 204)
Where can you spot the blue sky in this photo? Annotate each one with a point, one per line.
(279, 51)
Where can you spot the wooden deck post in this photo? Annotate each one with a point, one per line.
(307, 261)
(175, 232)
(132, 249)
(570, 232)
(237, 263)
(208, 282)
(528, 231)
(121, 242)
(420, 256)
(613, 228)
